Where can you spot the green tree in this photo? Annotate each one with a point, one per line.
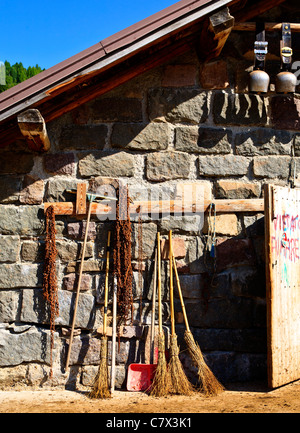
(17, 73)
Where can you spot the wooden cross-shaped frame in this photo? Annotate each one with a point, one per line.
(78, 207)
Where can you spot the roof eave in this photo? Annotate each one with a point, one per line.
(105, 54)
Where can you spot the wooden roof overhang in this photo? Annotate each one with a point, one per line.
(123, 56)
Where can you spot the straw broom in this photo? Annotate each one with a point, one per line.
(179, 382)
(101, 388)
(209, 384)
(161, 381)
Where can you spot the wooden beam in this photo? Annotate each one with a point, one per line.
(269, 27)
(33, 127)
(172, 206)
(215, 32)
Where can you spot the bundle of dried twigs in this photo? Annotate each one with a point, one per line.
(161, 382)
(100, 387)
(179, 381)
(208, 383)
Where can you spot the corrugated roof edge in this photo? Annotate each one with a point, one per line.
(61, 71)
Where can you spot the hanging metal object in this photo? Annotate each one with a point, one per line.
(286, 81)
(259, 79)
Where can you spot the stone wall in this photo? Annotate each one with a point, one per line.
(182, 123)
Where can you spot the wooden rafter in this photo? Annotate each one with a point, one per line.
(256, 8)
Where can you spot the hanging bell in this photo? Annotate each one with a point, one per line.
(286, 81)
(258, 79)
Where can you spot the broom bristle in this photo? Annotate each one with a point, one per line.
(209, 384)
(161, 382)
(179, 382)
(100, 387)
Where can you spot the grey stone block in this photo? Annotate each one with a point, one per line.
(272, 166)
(227, 165)
(136, 136)
(82, 137)
(32, 345)
(9, 305)
(20, 275)
(263, 142)
(178, 105)
(106, 164)
(9, 248)
(203, 140)
(21, 220)
(34, 308)
(167, 165)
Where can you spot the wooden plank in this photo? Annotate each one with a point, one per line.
(172, 206)
(81, 199)
(269, 27)
(282, 219)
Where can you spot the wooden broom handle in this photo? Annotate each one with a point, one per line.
(79, 284)
(106, 284)
(159, 284)
(180, 295)
(153, 309)
(171, 285)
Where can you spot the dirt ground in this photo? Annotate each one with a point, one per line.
(237, 398)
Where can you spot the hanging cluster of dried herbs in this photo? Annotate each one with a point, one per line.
(122, 257)
(49, 276)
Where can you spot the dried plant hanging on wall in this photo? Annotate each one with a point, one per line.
(50, 278)
(122, 257)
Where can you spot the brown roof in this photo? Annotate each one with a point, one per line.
(117, 59)
(156, 26)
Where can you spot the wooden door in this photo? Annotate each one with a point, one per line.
(282, 233)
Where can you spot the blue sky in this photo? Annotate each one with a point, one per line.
(48, 32)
